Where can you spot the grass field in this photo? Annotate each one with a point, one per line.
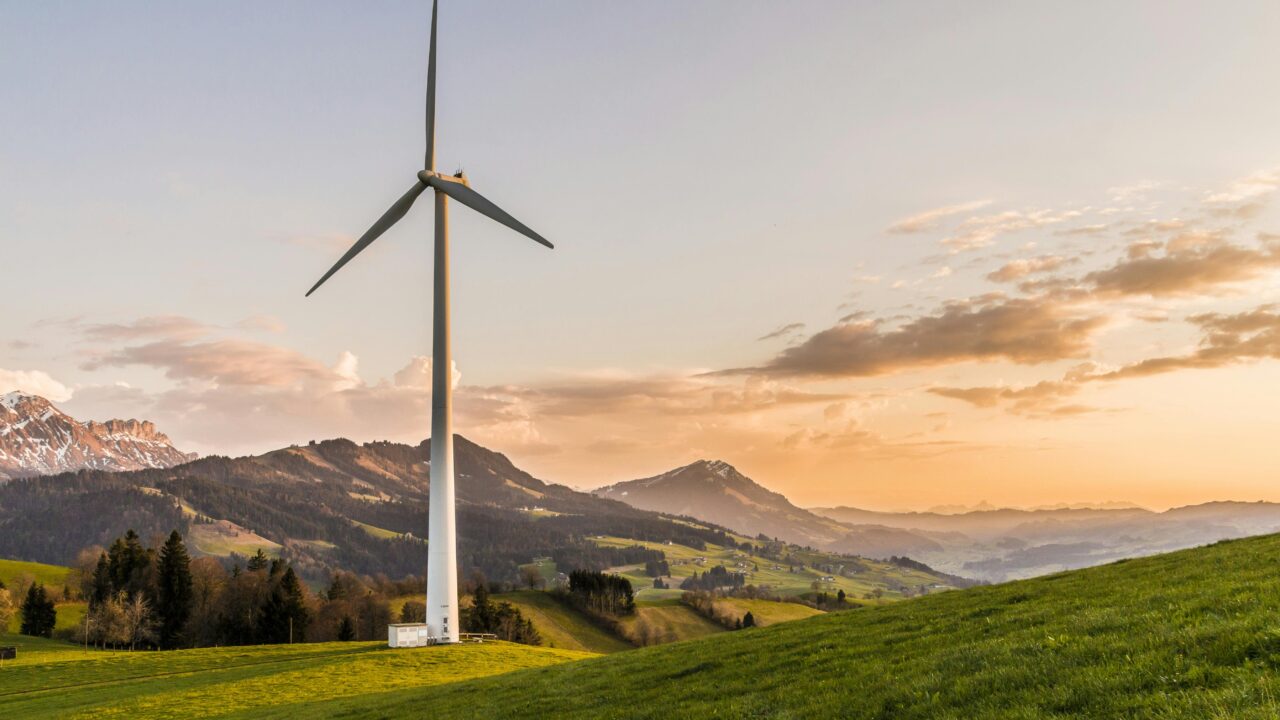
(546, 568)
(377, 531)
(563, 627)
(55, 680)
(768, 612)
(53, 576)
(1193, 634)
(220, 539)
(760, 571)
(667, 621)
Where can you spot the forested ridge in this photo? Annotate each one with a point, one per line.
(309, 499)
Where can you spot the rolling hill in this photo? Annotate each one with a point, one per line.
(1185, 635)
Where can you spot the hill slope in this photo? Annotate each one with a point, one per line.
(1191, 634)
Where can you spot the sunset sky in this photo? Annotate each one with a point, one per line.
(884, 255)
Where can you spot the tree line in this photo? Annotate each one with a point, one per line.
(715, 578)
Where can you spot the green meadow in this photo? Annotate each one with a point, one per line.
(54, 577)
(51, 679)
(1193, 634)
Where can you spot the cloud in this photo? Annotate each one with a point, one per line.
(784, 331)
(930, 219)
(1191, 263)
(981, 231)
(1246, 197)
(417, 374)
(1018, 269)
(1129, 193)
(265, 323)
(225, 362)
(1227, 339)
(1041, 399)
(174, 327)
(667, 395)
(987, 328)
(33, 382)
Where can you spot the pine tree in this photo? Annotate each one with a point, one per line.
(259, 561)
(748, 620)
(284, 615)
(38, 612)
(295, 605)
(346, 630)
(175, 595)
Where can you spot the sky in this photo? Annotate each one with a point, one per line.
(887, 255)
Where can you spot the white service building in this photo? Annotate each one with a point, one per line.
(409, 635)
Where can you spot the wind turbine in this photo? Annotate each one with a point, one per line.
(442, 557)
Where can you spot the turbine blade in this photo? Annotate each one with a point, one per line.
(389, 218)
(431, 93)
(460, 191)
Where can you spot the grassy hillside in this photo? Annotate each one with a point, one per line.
(1193, 634)
(55, 680)
(870, 576)
(666, 621)
(563, 627)
(767, 612)
(53, 576)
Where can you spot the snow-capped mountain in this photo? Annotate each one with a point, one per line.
(38, 439)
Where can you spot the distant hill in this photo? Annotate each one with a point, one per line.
(1188, 635)
(714, 491)
(1001, 544)
(38, 439)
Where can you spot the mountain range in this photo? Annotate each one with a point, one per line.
(339, 504)
(987, 543)
(38, 439)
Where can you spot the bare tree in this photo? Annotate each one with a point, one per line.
(140, 623)
(6, 608)
(531, 575)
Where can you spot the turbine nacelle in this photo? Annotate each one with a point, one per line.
(425, 177)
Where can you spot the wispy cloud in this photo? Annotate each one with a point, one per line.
(931, 219)
(783, 331)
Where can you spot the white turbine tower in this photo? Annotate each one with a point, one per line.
(442, 557)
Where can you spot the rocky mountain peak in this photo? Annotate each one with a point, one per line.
(38, 439)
